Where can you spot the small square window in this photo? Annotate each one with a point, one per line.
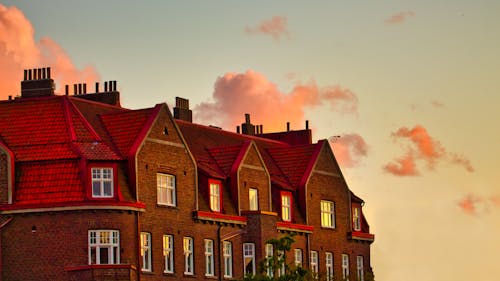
(165, 189)
(102, 182)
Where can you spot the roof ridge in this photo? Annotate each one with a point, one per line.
(95, 102)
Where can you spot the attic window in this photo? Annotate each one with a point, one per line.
(165, 131)
(102, 182)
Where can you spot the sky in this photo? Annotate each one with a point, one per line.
(407, 92)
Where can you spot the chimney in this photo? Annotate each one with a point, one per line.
(247, 128)
(182, 111)
(109, 96)
(288, 126)
(37, 83)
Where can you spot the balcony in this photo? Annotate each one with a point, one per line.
(102, 272)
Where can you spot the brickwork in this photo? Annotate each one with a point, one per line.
(3, 177)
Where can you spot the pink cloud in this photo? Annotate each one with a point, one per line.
(276, 27)
(19, 50)
(436, 103)
(422, 147)
(473, 204)
(399, 18)
(238, 93)
(468, 204)
(349, 149)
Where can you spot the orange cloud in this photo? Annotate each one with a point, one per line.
(399, 17)
(468, 204)
(275, 27)
(19, 50)
(436, 103)
(474, 204)
(251, 92)
(422, 147)
(349, 149)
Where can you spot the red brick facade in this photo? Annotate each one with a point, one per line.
(63, 218)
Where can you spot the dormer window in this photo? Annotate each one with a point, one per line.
(286, 206)
(215, 195)
(102, 182)
(356, 218)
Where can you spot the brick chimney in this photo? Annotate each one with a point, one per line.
(247, 128)
(182, 111)
(37, 83)
(109, 96)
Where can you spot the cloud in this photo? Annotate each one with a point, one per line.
(238, 93)
(276, 27)
(349, 149)
(475, 205)
(436, 103)
(422, 147)
(399, 18)
(19, 50)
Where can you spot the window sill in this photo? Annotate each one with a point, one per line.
(171, 274)
(211, 277)
(167, 206)
(329, 228)
(147, 272)
(189, 275)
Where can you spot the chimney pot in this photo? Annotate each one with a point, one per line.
(44, 73)
(79, 88)
(25, 74)
(105, 86)
(75, 89)
(10, 97)
(307, 124)
(48, 72)
(29, 74)
(66, 89)
(97, 87)
(288, 126)
(247, 118)
(39, 74)
(84, 88)
(261, 129)
(238, 129)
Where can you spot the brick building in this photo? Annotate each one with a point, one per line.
(93, 191)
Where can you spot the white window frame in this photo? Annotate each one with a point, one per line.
(329, 266)
(104, 240)
(165, 186)
(146, 252)
(209, 257)
(356, 218)
(168, 253)
(269, 256)
(360, 268)
(101, 177)
(281, 256)
(215, 196)
(314, 262)
(327, 214)
(228, 259)
(345, 267)
(298, 257)
(188, 245)
(249, 253)
(286, 207)
(253, 199)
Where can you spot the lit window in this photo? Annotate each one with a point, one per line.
(215, 196)
(102, 182)
(188, 256)
(329, 266)
(314, 262)
(104, 247)
(146, 251)
(228, 259)
(360, 269)
(253, 199)
(168, 253)
(356, 219)
(327, 214)
(249, 258)
(298, 257)
(209, 257)
(286, 203)
(269, 259)
(345, 267)
(165, 189)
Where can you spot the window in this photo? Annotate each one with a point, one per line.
(209, 257)
(269, 259)
(146, 251)
(298, 257)
(165, 189)
(104, 247)
(102, 182)
(345, 267)
(361, 275)
(249, 258)
(215, 196)
(281, 256)
(253, 199)
(314, 262)
(286, 204)
(168, 253)
(228, 259)
(327, 214)
(329, 266)
(188, 256)
(356, 219)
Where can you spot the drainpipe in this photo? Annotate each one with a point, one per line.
(220, 253)
(138, 249)
(308, 251)
(1, 261)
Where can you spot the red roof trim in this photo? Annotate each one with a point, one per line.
(293, 226)
(99, 266)
(240, 157)
(67, 116)
(111, 203)
(358, 235)
(218, 216)
(144, 131)
(312, 162)
(84, 121)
